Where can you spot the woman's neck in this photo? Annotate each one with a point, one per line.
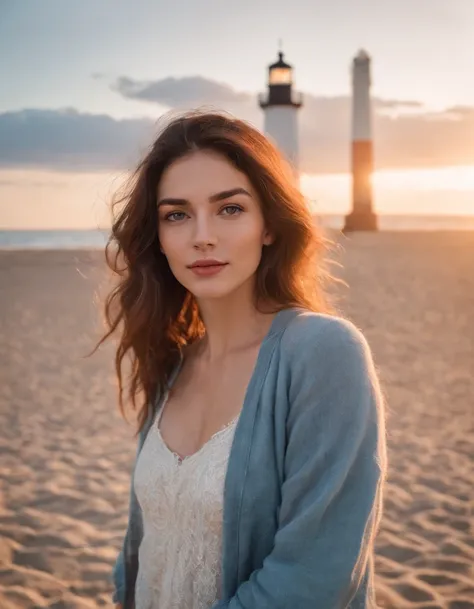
(232, 324)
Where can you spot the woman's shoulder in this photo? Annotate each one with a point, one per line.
(320, 333)
(328, 355)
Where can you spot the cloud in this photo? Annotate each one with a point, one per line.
(397, 104)
(430, 139)
(98, 76)
(69, 140)
(178, 92)
(406, 133)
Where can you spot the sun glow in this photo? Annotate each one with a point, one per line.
(437, 191)
(442, 178)
(45, 199)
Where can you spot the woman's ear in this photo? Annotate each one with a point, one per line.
(268, 238)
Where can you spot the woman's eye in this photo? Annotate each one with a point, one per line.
(175, 216)
(231, 210)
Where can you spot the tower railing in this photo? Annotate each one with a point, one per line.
(296, 97)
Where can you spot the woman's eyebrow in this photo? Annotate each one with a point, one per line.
(226, 194)
(219, 196)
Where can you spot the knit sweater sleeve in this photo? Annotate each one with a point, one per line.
(334, 472)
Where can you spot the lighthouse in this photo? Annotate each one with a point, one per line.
(362, 216)
(280, 105)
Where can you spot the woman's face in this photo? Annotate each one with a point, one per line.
(209, 214)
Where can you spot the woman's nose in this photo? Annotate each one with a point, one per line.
(204, 234)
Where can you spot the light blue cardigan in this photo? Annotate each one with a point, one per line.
(303, 490)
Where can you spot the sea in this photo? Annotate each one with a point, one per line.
(96, 239)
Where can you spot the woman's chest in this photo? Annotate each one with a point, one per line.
(202, 403)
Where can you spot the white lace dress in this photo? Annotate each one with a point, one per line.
(182, 504)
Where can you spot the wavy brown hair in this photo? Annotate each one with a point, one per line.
(152, 313)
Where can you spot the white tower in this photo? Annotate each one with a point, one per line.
(280, 105)
(362, 216)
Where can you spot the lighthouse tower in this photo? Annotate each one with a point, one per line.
(280, 105)
(362, 216)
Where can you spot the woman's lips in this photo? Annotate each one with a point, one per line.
(208, 268)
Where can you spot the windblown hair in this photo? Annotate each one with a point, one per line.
(152, 313)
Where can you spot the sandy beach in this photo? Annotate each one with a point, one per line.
(66, 454)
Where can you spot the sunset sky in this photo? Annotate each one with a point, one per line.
(84, 83)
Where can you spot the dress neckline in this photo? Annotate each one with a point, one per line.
(179, 458)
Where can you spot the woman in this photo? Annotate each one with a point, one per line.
(261, 453)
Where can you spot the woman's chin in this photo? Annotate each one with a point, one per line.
(217, 287)
(210, 293)
(210, 288)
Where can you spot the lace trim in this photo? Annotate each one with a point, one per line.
(180, 459)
